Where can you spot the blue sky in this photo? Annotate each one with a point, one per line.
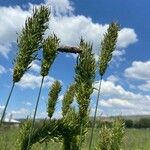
(126, 84)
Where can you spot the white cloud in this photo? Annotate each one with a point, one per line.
(68, 27)
(117, 91)
(1, 109)
(57, 114)
(33, 81)
(139, 70)
(99, 112)
(145, 86)
(60, 7)
(2, 69)
(112, 78)
(35, 66)
(27, 103)
(60, 98)
(5, 48)
(71, 29)
(22, 112)
(117, 103)
(126, 37)
(11, 21)
(115, 100)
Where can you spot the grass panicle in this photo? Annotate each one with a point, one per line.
(104, 139)
(29, 42)
(108, 45)
(111, 138)
(53, 97)
(84, 78)
(50, 46)
(68, 99)
(118, 131)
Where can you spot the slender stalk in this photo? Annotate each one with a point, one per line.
(46, 145)
(7, 102)
(80, 143)
(33, 121)
(98, 95)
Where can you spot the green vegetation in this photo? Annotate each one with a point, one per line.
(71, 132)
(108, 45)
(28, 42)
(134, 139)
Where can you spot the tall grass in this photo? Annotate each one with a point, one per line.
(28, 42)
(108, 45)
(134, 139)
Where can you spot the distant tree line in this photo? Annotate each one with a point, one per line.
(141, 123)
(129, 123)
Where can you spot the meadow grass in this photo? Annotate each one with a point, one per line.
(134, 139)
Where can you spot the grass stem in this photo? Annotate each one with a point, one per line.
(7, 102)
(33, 121)
(80, 143)
(94, 120)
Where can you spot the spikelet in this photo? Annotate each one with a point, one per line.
(108, 45)
(30, 40)
(68, 99)
(50, 46)
(84, 78)
(53, 97)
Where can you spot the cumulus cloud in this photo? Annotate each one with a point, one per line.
(116, 100)
(11, 21)
(2, 69)
(126, 37)
(22, 112)
(1, 109)
(117, 91)
(139, 70)
(35, 66)
(5, 48)
(68, 26)
(60, 7)
(33, 81)
(112, 78)
(145, 86)
(117, 103)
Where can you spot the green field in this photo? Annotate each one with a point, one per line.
(135, 139)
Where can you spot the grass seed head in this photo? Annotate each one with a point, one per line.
(68, 99)
(108, 45)
(30, 40)
(50, 46)
(53, 97)
(84, 78)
